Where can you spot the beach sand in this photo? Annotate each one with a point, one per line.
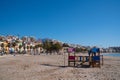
(50, 67)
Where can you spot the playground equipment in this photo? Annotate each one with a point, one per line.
(91, 60)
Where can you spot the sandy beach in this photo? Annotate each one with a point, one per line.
(50, 67)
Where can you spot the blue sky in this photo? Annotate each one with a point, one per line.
(85, 22)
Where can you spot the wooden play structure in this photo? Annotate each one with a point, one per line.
(91, 60)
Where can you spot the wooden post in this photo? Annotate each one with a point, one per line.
(74, 60)
(102, 59)
(68, 59)
(64, 59)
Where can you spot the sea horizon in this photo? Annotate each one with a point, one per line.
(111, 54)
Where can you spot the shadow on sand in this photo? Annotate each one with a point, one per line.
(78, 66)
(54, 65)
(83, 66)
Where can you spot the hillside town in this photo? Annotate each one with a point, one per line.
(15, 45)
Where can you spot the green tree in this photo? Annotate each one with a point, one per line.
(52, 47)
(14, 44)
(78, 49)
(31, 47)
(47, 46)
(2, 45)
(28, 47)
(20, 46)
(57, 46)
(8, 45)
(39, 45)
(65, 45)
(3, 50)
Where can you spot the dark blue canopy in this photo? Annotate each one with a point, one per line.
(94, 50)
